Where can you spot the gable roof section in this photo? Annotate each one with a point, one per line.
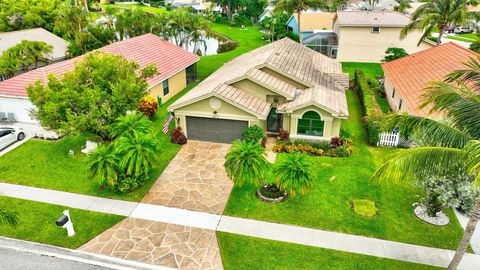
(410, 75)
(372, 18)
(288, 58)
(314, 20)
(144, 50)
(244, 100)
(10, 39)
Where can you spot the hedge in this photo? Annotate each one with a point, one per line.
(367, 98)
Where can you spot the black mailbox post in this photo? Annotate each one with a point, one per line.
(61, 221)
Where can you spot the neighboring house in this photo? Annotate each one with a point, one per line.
(282, 85)
(364, 36)
(176, 67)
(407, 77)
(10, 39)
(316, 29)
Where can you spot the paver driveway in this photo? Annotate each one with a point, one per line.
(195, 179)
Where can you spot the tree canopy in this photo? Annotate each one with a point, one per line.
(92, 96)
(25, 14)
(24, 56)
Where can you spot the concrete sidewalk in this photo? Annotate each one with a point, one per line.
(261, 229)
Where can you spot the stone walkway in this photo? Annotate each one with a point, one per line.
(161, 215)
(194, 179)
(159, 243)
(269, 154)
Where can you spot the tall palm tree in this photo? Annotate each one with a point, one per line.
(298, 6)
(103, 165)
(438, 15)
(372, 4)
(8, 217)
(245, 163)
(137, 151)
(131, 124)
(295, 174)
(450, 145)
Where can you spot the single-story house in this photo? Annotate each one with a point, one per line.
(10, 39)
(364, 36)
(282, 85)
(176, 67)
(407, 77)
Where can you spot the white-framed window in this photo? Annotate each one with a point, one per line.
(375, 29)
(166, 90)
(310, 124)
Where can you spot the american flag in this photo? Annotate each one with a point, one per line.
(167, 123)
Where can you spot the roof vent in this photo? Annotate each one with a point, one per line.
(298, 92)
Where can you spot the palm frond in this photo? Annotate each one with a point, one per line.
(472, 156)
(421, 162)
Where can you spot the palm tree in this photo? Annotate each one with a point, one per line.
(131, 124)
(438, 15)
(102, 164)
(372, 3)
(295, 174)
(297, 6)
(8, 217)
(451, 145)
(38, 50)
(402, 6)
(137, 151)
(245, 163)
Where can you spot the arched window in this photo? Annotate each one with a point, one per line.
(310, 124)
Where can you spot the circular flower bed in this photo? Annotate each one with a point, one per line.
(439, 220)
(271, 194)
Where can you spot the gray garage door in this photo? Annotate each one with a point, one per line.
(214, 130)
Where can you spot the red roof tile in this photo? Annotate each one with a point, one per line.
(410, 75)
(146, 49)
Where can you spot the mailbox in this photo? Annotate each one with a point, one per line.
(61, 221)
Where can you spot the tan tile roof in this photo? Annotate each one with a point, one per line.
(289, 58)
(316, 20)
(243, 100)
(410, 75)
(372, 18)
(273, 83)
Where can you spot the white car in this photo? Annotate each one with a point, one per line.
(9, 135)
(462, 30)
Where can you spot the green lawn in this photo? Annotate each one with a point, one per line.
(48, 165)
(472, 37)
(37, 223)
(371, 70)
(243, 252)
(339, 181)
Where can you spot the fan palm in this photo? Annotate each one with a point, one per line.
(102, 164)
(138, 151)
(130, 124)
(245, 163)
(297, 6)
(8, 217)
(295, 174)
(438, 15)
(451, 145)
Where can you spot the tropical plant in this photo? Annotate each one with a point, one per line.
(295, 174)
(138, 151)
(297, 7)
(130, 124)
(446, 147)
(24, 56)
(253, 134)
(8, 217)
(26, 14)
(402, 6)
(178, 136)
(245, 163)
(372, 4)
(437, 15)
(99, 89)
(148, 106)
(103, 165)
(393, 53)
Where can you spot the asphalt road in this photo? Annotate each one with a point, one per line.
(18, 260)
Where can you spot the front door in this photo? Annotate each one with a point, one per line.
(274, 120)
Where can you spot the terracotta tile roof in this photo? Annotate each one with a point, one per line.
(410, 75)
(289, 58)
(372, 18)
(146, 49)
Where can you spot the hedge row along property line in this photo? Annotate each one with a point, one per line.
(370, 109)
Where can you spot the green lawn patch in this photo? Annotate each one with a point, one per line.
(472, 37)
(243, 252)
(37, 223)
(339, 181)
(364, 208)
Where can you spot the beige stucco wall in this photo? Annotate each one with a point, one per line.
(359, 44)
(176, 83)
(394, 101)
(331, 128)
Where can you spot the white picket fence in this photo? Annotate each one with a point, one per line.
(389, 139)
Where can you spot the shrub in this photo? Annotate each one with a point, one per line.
(335, 142)
(178, 136)
(148, 106)
(324, 145)
(367, 99)
(245, 163)
(345, 133)
(393, 53)
(253, 134)
(373, 125)
(293, 36)
(295, 174)
(283, 135)
(341, 151)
